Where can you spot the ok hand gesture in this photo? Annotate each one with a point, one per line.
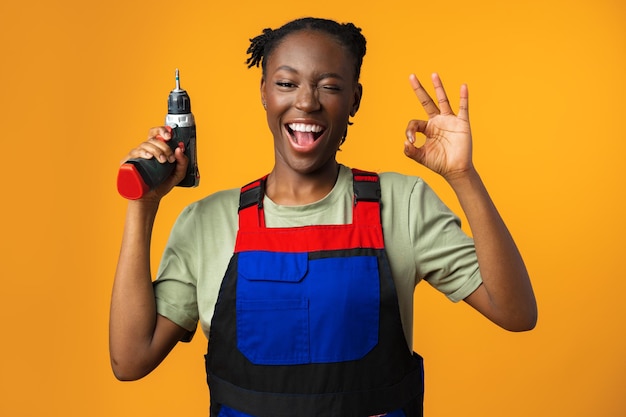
(448, 146)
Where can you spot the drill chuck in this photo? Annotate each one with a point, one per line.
(178, 101)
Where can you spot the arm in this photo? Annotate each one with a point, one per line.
(506, 296)
(139, 339)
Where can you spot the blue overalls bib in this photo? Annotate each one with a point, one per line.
(307, 322)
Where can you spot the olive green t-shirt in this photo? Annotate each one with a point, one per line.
(423, 240)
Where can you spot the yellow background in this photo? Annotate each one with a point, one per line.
(83, 81)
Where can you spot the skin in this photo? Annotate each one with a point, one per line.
(310, 79)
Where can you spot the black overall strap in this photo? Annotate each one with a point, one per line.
(252, 194)
(366, 186)
(251, 204)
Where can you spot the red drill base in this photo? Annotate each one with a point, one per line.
(130, 184)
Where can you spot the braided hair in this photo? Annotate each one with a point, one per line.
(348, 35)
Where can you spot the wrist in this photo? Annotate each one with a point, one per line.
(145, 210)
(462, 178)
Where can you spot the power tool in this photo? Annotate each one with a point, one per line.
(137, 176)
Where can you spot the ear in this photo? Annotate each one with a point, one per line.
(262, 90)
(358, 93)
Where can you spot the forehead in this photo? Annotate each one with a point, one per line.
(311, 48)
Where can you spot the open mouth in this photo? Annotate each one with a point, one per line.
(304, 134)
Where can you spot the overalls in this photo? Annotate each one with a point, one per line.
(307, 322)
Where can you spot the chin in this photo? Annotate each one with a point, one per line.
(309, 168)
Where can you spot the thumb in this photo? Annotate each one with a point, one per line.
(180, 170)
(413, 152)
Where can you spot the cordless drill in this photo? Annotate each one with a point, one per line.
(137, 176)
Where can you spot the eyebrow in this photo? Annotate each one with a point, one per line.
(321, 76)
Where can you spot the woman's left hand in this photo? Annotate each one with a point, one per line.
(448, 146)
(505, 296)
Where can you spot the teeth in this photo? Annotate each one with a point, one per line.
(302, 127)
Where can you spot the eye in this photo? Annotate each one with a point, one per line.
(330, 82)
(285, 84)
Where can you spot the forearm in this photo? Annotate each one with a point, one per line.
(133, 308)
(508, 295)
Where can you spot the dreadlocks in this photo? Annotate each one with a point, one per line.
(348, 35)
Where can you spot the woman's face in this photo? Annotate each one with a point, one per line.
(309, 91)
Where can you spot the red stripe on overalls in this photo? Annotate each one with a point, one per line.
(312, 238)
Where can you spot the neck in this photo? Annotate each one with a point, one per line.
(290, 188)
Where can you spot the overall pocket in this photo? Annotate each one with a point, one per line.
(292, 310)
(273, 332)
(272, 312)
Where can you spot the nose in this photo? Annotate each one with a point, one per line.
(307, 99)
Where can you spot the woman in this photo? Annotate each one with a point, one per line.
(312, 313)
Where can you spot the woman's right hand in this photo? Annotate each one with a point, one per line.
(156, 147)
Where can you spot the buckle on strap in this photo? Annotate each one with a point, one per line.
(366, 186)
(252, 194)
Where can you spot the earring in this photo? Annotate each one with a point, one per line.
(265, 105)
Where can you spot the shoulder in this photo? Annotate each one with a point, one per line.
(217, 209)
(409, 189)
(221, 200)
(397, 180)
(388, 180)
(401, 188)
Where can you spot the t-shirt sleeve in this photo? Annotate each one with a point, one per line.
(175, 285)
(445, 255)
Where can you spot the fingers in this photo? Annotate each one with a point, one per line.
(464, 103)
(442, 106)
(413, 127)
(155, 146)
(160, 132)
(427, 103)
(416, 153)
(440, 93)
(181, 164)
(180, 170)
(157, 137)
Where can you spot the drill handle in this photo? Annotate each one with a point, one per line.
(137, 176)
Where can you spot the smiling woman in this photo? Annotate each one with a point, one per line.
(303, 279)
(309, 85)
